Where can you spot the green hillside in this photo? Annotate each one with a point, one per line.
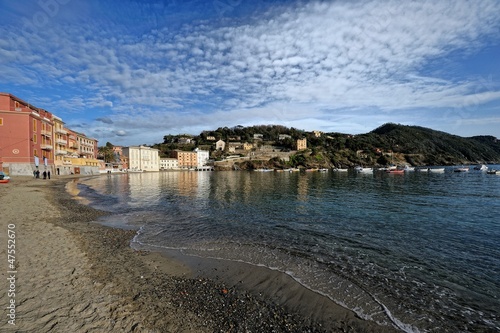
(387, 144)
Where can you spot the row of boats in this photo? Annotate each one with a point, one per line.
(391, 169)
(402, 170)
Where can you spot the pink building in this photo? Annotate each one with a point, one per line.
(26, 137)
(34, 139)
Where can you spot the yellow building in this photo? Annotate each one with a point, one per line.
(301, 144)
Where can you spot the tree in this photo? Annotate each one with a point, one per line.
(107, 152)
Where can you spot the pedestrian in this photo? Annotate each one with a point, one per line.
(34, 173)
(37, 173)
(48, 174)
(44, 175)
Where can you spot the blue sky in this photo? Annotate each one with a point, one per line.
(130, 72)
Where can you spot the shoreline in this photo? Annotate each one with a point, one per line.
(143, 291)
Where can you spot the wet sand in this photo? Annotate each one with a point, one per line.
(74, 275)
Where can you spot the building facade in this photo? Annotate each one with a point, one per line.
(26, 137)
(33, 139)
(301, 144)
(169, 163)
(202, 157)
(186, 159)
(142, 158)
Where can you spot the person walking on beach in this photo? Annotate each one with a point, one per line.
(48, 174)
(34, 173)
(44, 175)
(37, 173)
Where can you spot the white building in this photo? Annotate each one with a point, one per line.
(220, 145)
(202, 157)
(142, 158)
(169, 163)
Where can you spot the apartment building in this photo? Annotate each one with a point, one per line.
(169, 163)
(26, 136)
(187, 159)
(202, 157)
(32, 138)
(301, 144)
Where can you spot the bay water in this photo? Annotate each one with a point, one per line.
(419, 251)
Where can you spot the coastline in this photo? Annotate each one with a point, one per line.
(77, 275)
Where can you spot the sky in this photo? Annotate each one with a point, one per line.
(129, 72)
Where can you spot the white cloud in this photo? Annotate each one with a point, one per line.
(310, 59)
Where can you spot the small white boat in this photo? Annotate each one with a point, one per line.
(423, 169)
(436, 170)
(264, 170)
(461, 169)
(481, 168)
(408, 168)
(363, 170)
(492, 172)
(340, 170)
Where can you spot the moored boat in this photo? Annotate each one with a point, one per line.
(492, 172)
(481, 168)
(461, 169)
(408, 168)
(396, 171)
(360, 169)
(436, 170)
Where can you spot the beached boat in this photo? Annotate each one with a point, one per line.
(4, 179)
(461, 169)
(436, 170)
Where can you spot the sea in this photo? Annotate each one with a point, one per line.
(416, 251)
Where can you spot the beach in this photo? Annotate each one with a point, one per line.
(67, 273)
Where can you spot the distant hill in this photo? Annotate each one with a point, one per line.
(435, 147)
(388, 144)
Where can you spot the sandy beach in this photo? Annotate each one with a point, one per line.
(70, 274)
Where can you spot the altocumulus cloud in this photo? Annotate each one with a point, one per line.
(314, 63)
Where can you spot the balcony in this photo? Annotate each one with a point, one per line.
(61, 131)
(61, 152)
(46, 147)
(61, 142)
(46, 133)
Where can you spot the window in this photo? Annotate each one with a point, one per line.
(34, 125)
(1, 121)
(34, 138)
(35, 153)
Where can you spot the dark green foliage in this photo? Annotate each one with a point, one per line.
(409, 144)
